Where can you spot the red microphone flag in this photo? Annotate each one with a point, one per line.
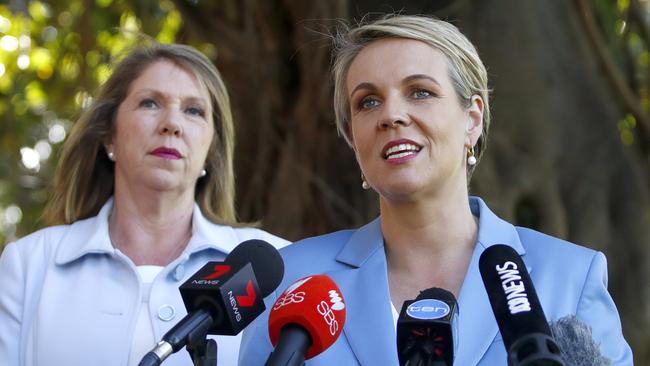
(316, 304)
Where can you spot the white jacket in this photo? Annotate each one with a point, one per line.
(67, 297)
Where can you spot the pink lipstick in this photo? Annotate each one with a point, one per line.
(167, 153)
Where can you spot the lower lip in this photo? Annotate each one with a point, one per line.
(403, 159)
(167, 156)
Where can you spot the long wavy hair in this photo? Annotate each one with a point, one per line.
(84, 177)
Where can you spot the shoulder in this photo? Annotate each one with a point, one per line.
(541, 244)
(322, 248)
(248, 233)
(553, 254)
(565, 274)
(44, 241)
(315, 255)
(328, 245)
(229, 236)
(30, 256)
(572, 279)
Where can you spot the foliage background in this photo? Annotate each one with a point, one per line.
(570, 143)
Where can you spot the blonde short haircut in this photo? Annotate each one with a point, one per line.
(84, 177)
(466, 69)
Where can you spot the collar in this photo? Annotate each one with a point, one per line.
(91, 236)
(491, 230)
(368, 283)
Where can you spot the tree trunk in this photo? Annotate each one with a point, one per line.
(554, 162)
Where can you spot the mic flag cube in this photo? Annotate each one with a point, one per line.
(231, 295)
(425, 329)
(316, 305)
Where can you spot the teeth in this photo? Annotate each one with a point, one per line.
(401, 150)
(401, 155)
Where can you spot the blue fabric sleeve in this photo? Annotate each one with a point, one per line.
(596, 307)
(12, 295)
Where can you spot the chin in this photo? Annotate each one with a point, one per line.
(164, 182)
(399, 192)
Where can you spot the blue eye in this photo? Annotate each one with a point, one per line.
(368, 103)
(422, 94)
(195, 111)
(148, 103)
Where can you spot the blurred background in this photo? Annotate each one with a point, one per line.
(569, 149)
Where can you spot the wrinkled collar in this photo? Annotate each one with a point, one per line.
(491, 230)
(91, 236)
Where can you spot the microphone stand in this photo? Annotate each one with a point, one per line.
(202, 350)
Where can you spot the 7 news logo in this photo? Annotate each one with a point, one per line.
(214, 277)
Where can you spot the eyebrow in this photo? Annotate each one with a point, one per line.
(191, 98)
(418, 77)
(408, 79)
(364, 85)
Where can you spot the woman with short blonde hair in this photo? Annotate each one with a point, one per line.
(411, 100)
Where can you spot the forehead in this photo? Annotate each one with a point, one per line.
(170, 78)
(393, 59)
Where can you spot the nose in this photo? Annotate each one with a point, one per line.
(170, 124)
(394, 113)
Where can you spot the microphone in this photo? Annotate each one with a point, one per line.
(305, 320)
(518, 312)
(576, 344)
(222, 298)
(426, 328)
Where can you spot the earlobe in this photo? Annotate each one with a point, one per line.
(110, 153)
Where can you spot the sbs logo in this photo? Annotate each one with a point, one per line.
(427, 309)
(325, 310)
(336, 300)
(291, 297)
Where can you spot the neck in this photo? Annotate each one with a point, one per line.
(428, 243)
(151, 230)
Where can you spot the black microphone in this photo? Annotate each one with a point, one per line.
(222, 298)
(576, 344)
(426, 329)
(516, 307)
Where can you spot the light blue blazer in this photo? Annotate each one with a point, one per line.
(569, 279)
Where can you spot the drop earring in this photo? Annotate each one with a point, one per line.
(471, 159)
(364, 183)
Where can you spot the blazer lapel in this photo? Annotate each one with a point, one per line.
(369, 327)
(477, 326)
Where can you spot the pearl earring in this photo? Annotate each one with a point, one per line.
(203, 172)
(111, 156)
(364, 183)
(471, 159)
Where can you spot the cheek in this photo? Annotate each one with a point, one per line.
(363, 147)
(204, 137)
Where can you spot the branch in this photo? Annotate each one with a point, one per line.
(613, 74)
